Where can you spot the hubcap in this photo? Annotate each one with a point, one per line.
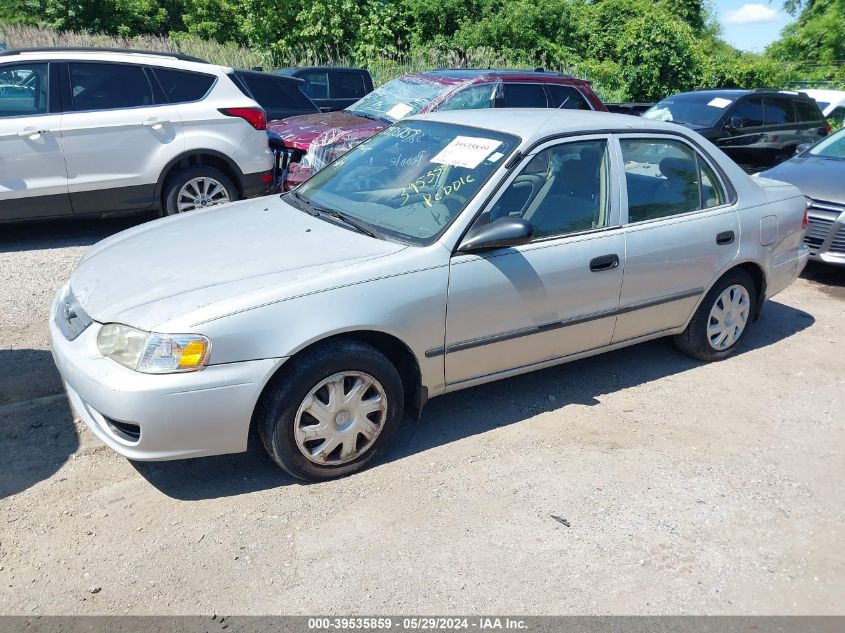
(340, 418)
(728, 317)
(201, 192)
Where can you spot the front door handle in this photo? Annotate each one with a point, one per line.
(605, 262)
(33, 134)
(725, 237)
(156, 124)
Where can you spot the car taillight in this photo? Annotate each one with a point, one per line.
(254, 116)
(806, 221)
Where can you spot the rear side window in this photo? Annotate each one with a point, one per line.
(347, 85)
(23, 89)
(316, 85)
(96, 86)
(523, 96)
(749, 112)
(666, 178)
(181, 86)
(567, 98)
(807, 112)
(779, 111)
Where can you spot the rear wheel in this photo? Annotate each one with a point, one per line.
(720, 322)
(332, 412)
(196, 188)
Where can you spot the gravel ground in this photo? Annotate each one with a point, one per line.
(685, 488)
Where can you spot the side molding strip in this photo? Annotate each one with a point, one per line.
(546, 327)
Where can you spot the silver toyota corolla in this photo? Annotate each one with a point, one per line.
(447, 251)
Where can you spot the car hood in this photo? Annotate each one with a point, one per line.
(300, 132)
(816, 177)
(204, 264)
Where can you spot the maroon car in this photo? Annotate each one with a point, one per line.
(308, 143)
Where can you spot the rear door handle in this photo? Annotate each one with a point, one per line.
(605, 262)
(725, 237)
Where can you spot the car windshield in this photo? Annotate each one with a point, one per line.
(831, 147)
(409, 181)
(398, 99)
(697, 109)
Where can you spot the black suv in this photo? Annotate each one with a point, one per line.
(756, 128)
(332, 87)
(280, 96)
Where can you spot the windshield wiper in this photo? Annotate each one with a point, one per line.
(372, 117)
(316, 210)
(355, 224)
(304, 203)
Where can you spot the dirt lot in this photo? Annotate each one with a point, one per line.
(688, 488)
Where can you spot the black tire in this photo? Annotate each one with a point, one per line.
(277, 410)
(181, 178)
(693, 340)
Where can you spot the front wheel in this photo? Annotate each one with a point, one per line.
(720, 322)
(331, 412)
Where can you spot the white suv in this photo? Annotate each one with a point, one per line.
(99, 130)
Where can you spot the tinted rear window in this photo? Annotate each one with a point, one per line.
(807, 111)
(523, 96)
(276, 93)
(779, 111)
(567, 98)
(181, 86)
(347, 85)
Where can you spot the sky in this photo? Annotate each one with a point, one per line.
(751, 25)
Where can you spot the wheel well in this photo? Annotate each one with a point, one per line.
(395, 350)
(759, 278)
(193, 160)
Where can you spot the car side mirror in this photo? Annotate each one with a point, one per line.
(501, 233)
(802, 148)
(735, 122)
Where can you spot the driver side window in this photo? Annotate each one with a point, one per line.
(564, 189)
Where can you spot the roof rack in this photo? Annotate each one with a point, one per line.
(97, 49)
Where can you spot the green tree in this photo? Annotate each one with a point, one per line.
(816, 41)
(538, 32)
(658, 56)
(121, 17)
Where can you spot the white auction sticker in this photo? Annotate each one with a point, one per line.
(398, 111)
(466, 151)
(494, 157)
(718, 102)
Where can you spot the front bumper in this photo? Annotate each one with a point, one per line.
(191, 414)
(826, 234)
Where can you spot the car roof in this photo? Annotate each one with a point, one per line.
(156, 58)
(730, 93)
(307, 68)
(533, 124)
(452, 76)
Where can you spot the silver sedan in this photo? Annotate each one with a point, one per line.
(447, 251)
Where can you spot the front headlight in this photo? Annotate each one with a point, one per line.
(153, 353)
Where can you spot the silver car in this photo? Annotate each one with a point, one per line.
(447, 251)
